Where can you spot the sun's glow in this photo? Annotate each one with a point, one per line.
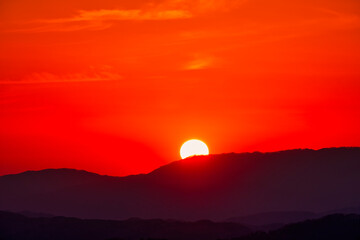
(193, 147)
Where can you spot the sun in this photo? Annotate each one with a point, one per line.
(193, 147)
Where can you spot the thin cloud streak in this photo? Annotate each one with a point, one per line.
(200, 62)
(198, 7)
(103, 19)
(46, 77)
(118, 15)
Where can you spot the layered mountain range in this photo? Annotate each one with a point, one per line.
(215, 187)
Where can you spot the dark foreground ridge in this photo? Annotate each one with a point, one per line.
(18, 227)
(332, 227)
(215, 187)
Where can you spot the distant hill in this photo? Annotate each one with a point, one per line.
(332, 227)
(18, 227)
(274, 220)
(204, 187)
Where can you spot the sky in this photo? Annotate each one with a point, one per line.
(115, 87)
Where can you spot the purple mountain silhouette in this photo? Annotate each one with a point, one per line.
(213, 187)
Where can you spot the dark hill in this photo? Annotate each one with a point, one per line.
(206, 187)
(18, 227)
(273, 220)
(332, 227)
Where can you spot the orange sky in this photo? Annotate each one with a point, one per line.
(115, 87)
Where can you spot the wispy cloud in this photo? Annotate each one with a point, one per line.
(200, 62)
(104, 18)
(202, 6)
(118, 15)
(46, 77)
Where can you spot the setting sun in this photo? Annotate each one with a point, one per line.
(99, 98)
(193, 147)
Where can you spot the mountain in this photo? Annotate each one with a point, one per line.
(212, 187)
(18, 227)
(273, 220)
(332, 227)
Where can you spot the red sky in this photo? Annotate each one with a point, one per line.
(115, 87)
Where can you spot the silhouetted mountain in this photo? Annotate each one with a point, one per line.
(18, 227)
(205, 187)
(349, 210)
(333, 227)
(273, 220)
(35, 214)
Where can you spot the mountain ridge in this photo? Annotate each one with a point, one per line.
(74, 170)
(203, 187)
(17, 226)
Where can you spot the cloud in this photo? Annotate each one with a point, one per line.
(104, 18)
(203, 6)
(46, 77)
(199, 62)
(118, 15)
(131, 15)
